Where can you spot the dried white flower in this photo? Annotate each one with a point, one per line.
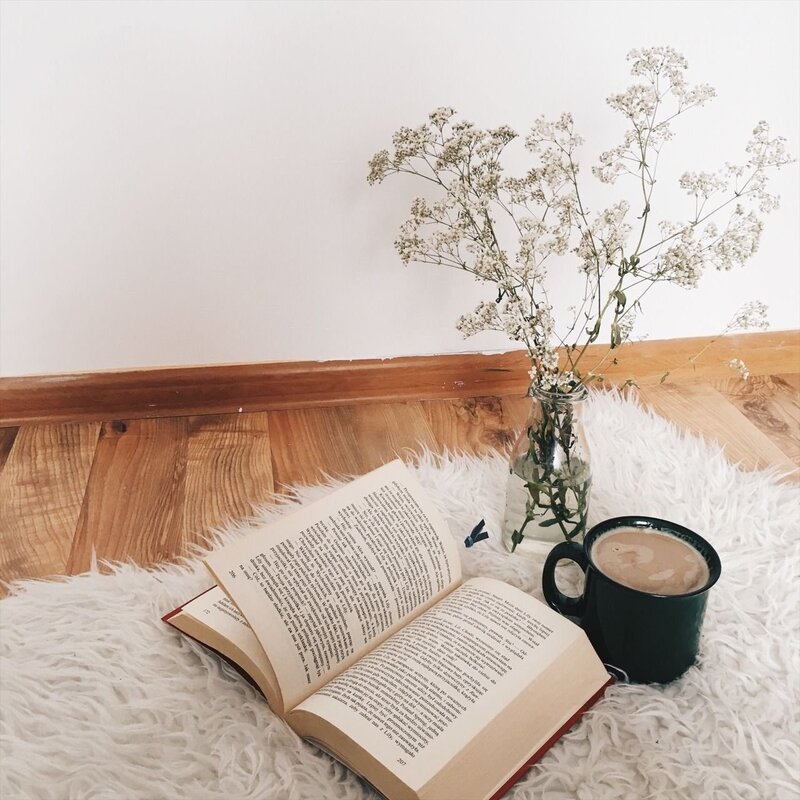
(649, 61)
(626, 324)
(379, 167)
(750, 315)
(766, 152)
(482, 318)
(740, 367)
(637, 102)
(738, 242)
(410, 142)
(702, 184)
(441, 116)
(682, 262)
(602, 244)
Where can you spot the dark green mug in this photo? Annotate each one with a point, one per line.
(651, 638)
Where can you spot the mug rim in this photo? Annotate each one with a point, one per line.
(711, 557)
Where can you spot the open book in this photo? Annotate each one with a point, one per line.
(352, 618)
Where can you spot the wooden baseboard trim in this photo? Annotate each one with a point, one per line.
(180, 391)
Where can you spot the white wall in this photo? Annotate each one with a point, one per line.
(184, 183)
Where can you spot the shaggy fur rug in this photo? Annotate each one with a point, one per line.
(100, 699)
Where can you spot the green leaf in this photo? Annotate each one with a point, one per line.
(594, 332)
(621, 299)
(664, 377)
(548, 523)
(616, 336)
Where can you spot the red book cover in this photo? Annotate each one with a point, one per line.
(520, 773)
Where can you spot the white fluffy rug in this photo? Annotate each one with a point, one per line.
(102, 700)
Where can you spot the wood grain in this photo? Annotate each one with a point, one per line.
(134, 498)
(772, 404)
(310, 444)
(7, 436)
(516, 409)
(475, 424)
(42, 486)
(228, 470)
(384, 431)
(791, 379)
(147, 393)
(704, 411)
(158, 486)
(254, 387)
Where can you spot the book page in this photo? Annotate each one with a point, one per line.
(419, 698)
(323, 585)
(215, 610)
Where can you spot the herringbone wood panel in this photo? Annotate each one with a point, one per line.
(147, 489)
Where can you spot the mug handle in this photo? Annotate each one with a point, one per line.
(570, 606)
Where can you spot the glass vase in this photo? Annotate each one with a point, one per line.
(547, 498)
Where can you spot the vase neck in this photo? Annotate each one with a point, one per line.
(560, 398)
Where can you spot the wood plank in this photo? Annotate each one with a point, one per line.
(516, 409)
(308, 444)
(765, 353)
(792, 379)
(473, 425)
(42, 487)
(772, 405)
(228, 470)
(384, 431)
(224, 389)
(704, 411)
(134, 500)
(7, 436)
(254, 387)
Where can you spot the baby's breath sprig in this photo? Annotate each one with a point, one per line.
(505, 230)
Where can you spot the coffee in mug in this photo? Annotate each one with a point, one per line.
(650, 560)
(644, 597)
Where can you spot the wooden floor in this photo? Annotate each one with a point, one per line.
(146, 489)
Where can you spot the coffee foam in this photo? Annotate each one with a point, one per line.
(649, 560)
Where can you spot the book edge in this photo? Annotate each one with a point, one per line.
(538, 754)
(229, 661)
(170, 614)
